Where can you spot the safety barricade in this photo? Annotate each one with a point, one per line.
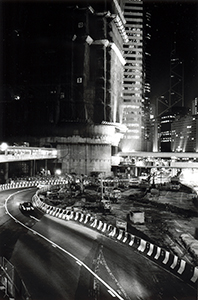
(121, 234)
(142, 246)
(66, 214)
(94, 224)
(54, 211)
(114, 232)
(57, 214)
(51, 210)
(48, 209)
(60, 213)
(126, 237)
(87, 218)
(30, 183)
(104, 228)
(41, 204)
(131, 240)
(194, 278)
(44, 208)
(109, 228)
(157, 254)
(82, 218)
(76, 215)
(151, 248)
(100, 225)
(63, 214)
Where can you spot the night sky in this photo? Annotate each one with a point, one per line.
(172, 21)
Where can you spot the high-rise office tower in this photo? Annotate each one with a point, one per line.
(135, 108)
(184, 133)
(195, 106)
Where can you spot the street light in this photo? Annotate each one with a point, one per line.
(58, 172)
(3, 147)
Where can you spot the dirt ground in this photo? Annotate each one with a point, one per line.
(167, 216)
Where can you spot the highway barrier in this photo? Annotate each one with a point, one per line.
(44, 184)
(157, 254)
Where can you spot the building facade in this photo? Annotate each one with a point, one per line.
(135, 107)
(184, 132)
(195, 106)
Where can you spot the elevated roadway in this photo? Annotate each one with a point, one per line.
(22, 153)
(189, 155)
(149, 160)
(11, 155)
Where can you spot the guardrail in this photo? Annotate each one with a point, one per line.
(11, 285)
(31, 183)
(21, 153)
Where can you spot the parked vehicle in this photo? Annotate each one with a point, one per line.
(174, 184)
(134, 182)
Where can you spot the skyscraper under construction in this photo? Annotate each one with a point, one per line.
(64, 77)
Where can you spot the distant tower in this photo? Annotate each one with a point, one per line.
(136, 92)
(168, 104)
(174, 96)
(195, 106)
(176, 93)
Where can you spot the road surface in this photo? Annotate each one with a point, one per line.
(64, 260)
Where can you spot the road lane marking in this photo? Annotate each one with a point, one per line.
(112, 294)
(109, 288)
(34, 218)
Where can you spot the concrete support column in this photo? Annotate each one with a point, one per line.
(86, 158)
(6, 174)
(31, 168)
(136, 171)
(46, 168)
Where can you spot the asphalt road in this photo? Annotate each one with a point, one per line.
(63, 260)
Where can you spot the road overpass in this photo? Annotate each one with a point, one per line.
(159, 159)
(31, 159)
(21, 153)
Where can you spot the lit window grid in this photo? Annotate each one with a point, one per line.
(184, 132)
(133, 53)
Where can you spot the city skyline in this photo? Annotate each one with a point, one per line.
(174, 22)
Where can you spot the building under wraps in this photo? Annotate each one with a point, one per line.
(70, 85)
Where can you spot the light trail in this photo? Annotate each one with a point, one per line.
(34, 218)
(110, 290)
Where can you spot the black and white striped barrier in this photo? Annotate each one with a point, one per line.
(157, 254)
(30, 183)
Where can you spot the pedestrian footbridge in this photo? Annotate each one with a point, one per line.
(22, 153)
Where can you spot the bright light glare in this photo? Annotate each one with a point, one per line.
(58, 172)
(3, 146)
(189, 176)
(54, 152)
(111, 293)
